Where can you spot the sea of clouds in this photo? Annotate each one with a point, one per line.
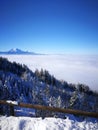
(71, 68)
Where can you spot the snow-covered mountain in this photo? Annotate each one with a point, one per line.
(19, 83)
(18, 51)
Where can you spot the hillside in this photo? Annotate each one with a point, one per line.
(19, 83)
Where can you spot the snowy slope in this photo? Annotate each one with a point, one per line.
(71, 68)
(18, 83)
(27, 123)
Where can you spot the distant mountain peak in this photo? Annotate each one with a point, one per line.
(18, 51)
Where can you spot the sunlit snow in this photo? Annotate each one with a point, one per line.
(28, 123)
(12, 102)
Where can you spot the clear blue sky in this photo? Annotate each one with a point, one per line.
(49, 26)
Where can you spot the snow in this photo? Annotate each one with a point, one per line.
(12, 102)
(71, 68)
(28, 123)
(13, 50)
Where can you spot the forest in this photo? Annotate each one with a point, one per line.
(19, 83)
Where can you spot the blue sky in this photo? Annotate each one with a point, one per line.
(49, 26)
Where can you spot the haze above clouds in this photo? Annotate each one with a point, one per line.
(71, 68)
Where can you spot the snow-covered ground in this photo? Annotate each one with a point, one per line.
(71, 68)
(28, 123)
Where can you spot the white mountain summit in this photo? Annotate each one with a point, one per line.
(14, 50)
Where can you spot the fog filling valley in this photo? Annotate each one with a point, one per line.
(71, 68)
